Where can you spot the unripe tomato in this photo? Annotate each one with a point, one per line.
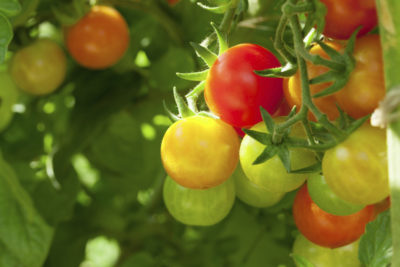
(200, 152)
(326, 199)
(325, 229)
(346, 256)
(200, 207)
(272, 175)
(292, 86)
(252, 194)
(9, 96)
(356, 169)
(39, 68)
(235, 92)
(99, 39)
(343, 17)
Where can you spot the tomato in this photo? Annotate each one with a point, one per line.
(326, 199)
(292, 86)
(366, 86)
(39, 68)
(346, 256)
(235, 93)
(252, 194)
(9, 96)
(325, 229)
(99, 39)
(200, 152)
(356, 169)
(343, 17)
(382, 206)
(172, 2)
(200, 207)
(272, 175)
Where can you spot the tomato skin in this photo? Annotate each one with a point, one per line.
(271, 175)
(346, 256)
(292, 86)
(235, 93)
(172, 2)
(366, 85)
(200, 152)
(201, 207)
(39, 68)
(325, 229)
(99, 39)
(344, 17)
(356, 169)
(326, 199)
(252, 194)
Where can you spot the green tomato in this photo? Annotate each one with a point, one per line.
(252, 194)
(346, 256)
(326, 199)
(272, 175)
(8, 97)
(201, 207)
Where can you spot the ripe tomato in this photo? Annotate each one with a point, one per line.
(326, 199)
(346, 256)
(366, 85)
(292, 86)
(252, 194)
(272, 175)
(200, 152)
(235, 93)
(198, 206)
(99, 39)
(325, 229)
(343, 17)
(356, 169)
(9, 96)
(172, 2)
(39, 68)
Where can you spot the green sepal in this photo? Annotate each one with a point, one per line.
(207, 114)
(331, 52)
(284, 156)
(222, 43)
(301, 261)
(261, 137)
(338, 84)
(183, 109)
(356, 124)
(205, 54)
(173, 117)
(269, 122)
(193, 76)
(317, 167)
(217, 9)
(280, 72)
(323, 78)
(343, 120)
(267, 153)
(10, 7)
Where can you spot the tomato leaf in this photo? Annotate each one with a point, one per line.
(193, 76)
(10, 7)
(301, 261)
(284, 156)
(269, 122)
(261, 137)
(376, 244)
(205, 54)
(267, 153)
(6, 34)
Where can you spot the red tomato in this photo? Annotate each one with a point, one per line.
(325, 229)
(343, 17)
(235, 93)
(99, 39)
(172, 2)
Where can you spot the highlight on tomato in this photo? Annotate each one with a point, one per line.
(200, 152)
(99, 39)
(234, 92)
(271, 174)
(39, 68)
(325, 229)
(201, 207)
(356, 169)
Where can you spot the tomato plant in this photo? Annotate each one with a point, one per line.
(272, 175)
(199, 206)
(252, 194)
(99, 39)
(39, 68)
(235, 93)
(346, 256)
(356, 169)
(200, 152)
(344, 17)
(325, 229)
(326, 199)
(9, 96)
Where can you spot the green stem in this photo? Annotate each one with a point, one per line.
(278, 42)
(292, 9)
